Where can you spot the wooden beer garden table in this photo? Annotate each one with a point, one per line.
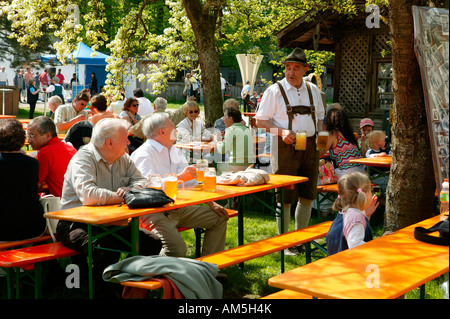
(373, 163)
(384, 268)
(120, 215)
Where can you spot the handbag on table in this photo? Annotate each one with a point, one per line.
(421, 234)
(146, 198)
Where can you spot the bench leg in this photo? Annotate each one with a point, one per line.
(17, 281)
(91, 289)
(422, 291)
(241, 209)
(9, 282)
(198, 241)
(308, 252)
(38, 281)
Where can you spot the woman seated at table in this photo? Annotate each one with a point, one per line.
(238, 143)
(342, 143)
(191, 128)
(131, 115)
(21, 214)
(98, 108)
(130, 111)
(219, 124)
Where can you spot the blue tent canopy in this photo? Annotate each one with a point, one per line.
(95, 64)
(82, 54)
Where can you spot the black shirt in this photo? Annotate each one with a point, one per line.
(21, 214)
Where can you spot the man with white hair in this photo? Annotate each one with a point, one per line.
(159, 105)
(158, 155)
(100, 174)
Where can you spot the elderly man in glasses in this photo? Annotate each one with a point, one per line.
(191, 128)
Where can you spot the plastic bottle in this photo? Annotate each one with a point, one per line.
(443, 200)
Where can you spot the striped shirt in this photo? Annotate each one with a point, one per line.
(343, 152)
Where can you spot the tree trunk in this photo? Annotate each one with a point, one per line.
(204, 26)
(410, 193)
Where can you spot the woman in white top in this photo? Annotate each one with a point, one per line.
(191, 128)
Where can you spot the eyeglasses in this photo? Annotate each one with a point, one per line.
(193, 111)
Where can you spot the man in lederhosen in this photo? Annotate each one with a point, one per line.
(288, 106)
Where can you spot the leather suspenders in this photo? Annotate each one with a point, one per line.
(299, 109)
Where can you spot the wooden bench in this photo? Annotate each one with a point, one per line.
(20, 243)
(198, 231)
(287, 294)
(30, 258)
(237, 255)
(329, 192)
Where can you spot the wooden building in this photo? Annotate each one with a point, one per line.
(362, 73)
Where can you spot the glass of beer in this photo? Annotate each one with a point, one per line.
(209, 182)
(300, 140)
(322, 141)
(202, 165)
(154, 181)
(171, 185)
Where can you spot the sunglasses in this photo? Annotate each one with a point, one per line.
(134, 105)
(193, 111)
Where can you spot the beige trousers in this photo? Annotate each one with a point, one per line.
(165, 225)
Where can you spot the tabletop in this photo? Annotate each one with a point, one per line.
(384, 268)
(186, 197)
(7, 116)
(195, 146)
(381, 161)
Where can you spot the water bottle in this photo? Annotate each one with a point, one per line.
(443, 200)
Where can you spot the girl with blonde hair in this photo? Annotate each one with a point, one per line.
(355, 204)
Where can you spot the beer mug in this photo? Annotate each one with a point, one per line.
(322, 141)
(171, 185)
(300, 140)
(209, 182)
(154, 181)
(202, 165)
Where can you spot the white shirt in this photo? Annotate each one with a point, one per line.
(117, 107)
(154, 158)
(3, 77)
(52, 87)
(145, 106)
(273, 107)
(223, 83)
(188, 131)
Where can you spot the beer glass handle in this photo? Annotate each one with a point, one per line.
(182, 184)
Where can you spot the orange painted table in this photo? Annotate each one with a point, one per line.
(196, 146)
(7, 117)
(384, 268)
(382, 161)
(374, 163)
(101, 216)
